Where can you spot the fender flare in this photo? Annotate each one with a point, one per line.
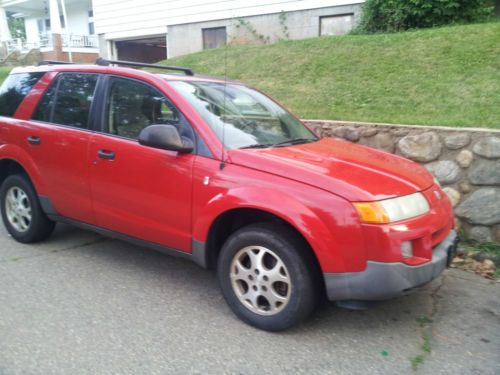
(18, 155)
(279, 204)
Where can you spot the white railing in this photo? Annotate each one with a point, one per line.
(79, 41)
(45, 41)
(20, 45)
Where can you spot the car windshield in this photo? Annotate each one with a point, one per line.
(242, 117)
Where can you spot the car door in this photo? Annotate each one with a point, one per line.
(136, 190)
(58, 139)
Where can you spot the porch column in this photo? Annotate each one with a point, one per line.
(4, 27)
(56, 30)
(55, 17)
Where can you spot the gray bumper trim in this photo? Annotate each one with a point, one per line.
(387, 280)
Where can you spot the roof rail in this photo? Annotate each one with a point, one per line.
(53, 62)
(104, 62)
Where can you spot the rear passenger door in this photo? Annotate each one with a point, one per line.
(58, 140)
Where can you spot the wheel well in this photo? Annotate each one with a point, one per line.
(230, 221)
(9, 167)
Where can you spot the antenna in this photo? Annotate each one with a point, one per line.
(222, 156)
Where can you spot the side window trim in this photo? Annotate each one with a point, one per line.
(97, 106)
(57, 83)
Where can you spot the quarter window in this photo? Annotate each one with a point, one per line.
(14, 90)
(132, 106)
(68, 100)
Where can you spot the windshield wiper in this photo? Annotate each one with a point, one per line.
(258, 145)
(295, 141)
(288, 142)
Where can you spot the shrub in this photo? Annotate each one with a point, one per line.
(399, 15)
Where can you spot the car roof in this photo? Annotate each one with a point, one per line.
(91, 68)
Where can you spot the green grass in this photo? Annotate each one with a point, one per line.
(490, 250)
(445, 76)
(416, 361)
(4, 72)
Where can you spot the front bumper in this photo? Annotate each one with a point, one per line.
(381, 281)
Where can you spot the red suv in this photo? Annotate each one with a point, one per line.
(217, 172)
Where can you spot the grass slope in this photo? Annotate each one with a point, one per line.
(445, 76)
(4, 72)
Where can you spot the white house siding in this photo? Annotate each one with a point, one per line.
(34, 10)
(78, 18)
(118, 19)
(31, 27)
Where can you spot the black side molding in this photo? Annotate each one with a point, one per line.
(47, 206)
(197, 256)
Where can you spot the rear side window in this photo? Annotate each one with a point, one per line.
(67, 101)
(14, 90)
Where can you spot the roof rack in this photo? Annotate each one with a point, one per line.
(54, 62)
(104, 62)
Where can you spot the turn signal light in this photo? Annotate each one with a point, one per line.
(371, 212)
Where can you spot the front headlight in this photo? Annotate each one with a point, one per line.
(391, 210)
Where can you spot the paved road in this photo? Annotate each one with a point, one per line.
(82, 304)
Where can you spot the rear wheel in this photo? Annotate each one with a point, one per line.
(268, 276)
(22, 214)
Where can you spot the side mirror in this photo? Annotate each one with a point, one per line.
(165, 137)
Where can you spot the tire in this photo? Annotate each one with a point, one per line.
(292, 289)
(22, 214)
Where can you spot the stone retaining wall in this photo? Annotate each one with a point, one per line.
(466, 161)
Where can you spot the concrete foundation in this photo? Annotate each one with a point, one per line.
(261, 29)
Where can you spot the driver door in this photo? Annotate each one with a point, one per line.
(136, 190)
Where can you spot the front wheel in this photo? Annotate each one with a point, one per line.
(268, 276)
(22, 214)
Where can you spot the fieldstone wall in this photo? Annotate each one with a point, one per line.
(466, 161)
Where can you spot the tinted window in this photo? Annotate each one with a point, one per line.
(44, 110)
(14, 90)
(68, 100)
(132, 106)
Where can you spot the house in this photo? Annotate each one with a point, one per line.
(152, 30)
(58, 29)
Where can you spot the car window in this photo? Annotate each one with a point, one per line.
(243, 117)
(68, 100)
(14, 90)
(131, 106)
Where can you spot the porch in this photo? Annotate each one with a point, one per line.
(58, 29)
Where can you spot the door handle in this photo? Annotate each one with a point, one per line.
(34, 140)
(103, 154)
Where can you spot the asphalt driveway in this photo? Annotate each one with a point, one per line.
(82, 304)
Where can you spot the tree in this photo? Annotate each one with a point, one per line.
(16, 26)
(399, 15)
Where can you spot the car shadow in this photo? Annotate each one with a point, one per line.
(167, 271)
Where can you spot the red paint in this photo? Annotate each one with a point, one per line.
(160, 196)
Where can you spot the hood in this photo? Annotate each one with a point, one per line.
(354, 172)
